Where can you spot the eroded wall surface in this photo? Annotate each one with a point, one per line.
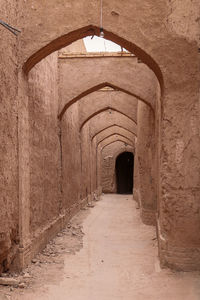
(146, 164)
(136, 177)
(85, 162)
(184, 19)
(9, 213)
(71, 158)
(45, 156)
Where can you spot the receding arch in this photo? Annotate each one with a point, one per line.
(118, 140)
(115, 128)
(102, 110)
(107, 98)
(110, 127)
(89, 30)
(96, 88)
(116, 135)
(95, 146)
(119, 151)
(126, 146)
(104, 119)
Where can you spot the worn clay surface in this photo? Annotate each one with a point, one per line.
(9, 213)
(158, 25)
(146, 158)
(44, 140)
(117, 259)
(85, 161)
(71, 168)
(49, 168)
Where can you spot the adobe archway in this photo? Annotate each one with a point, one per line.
(113, 127)
(100, 136)
(110, 109)
(115, 136)
(104, 119)
(70, 37)
(24, 190)
(97, 124)
(180, 143)
(107, 172)
(138, 80)
(96, 88)
(99, 100)
(110, 177)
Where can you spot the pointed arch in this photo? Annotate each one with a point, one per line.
(110, 127)
(102, 110)
(120, 151)
(89, 30)
(117, 135)
(96, 88)
(115, 142)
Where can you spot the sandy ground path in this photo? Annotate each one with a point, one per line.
(117, 261)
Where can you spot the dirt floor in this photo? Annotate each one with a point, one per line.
(105, 253)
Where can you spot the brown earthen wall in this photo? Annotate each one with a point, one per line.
(146, 159)
(45, 157)
(123, 129)
(9, 213)
(85, 162)
(184, 19)
(136, 177)
(71, 158)
(94, 165)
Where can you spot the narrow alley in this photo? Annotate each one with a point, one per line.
(99, 150)
(118, 260)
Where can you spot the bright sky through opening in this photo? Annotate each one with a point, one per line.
(98, 44)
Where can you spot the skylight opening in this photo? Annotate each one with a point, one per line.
(97, 44)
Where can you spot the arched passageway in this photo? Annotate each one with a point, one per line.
(124, 173)
(40, 133)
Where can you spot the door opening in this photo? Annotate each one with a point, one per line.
(124, 173)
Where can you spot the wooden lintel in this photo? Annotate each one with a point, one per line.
(64, 55)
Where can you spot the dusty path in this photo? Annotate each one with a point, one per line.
(117, 261)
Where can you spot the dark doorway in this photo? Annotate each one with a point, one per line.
(124, 173)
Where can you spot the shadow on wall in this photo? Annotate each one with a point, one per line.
(124, 173)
